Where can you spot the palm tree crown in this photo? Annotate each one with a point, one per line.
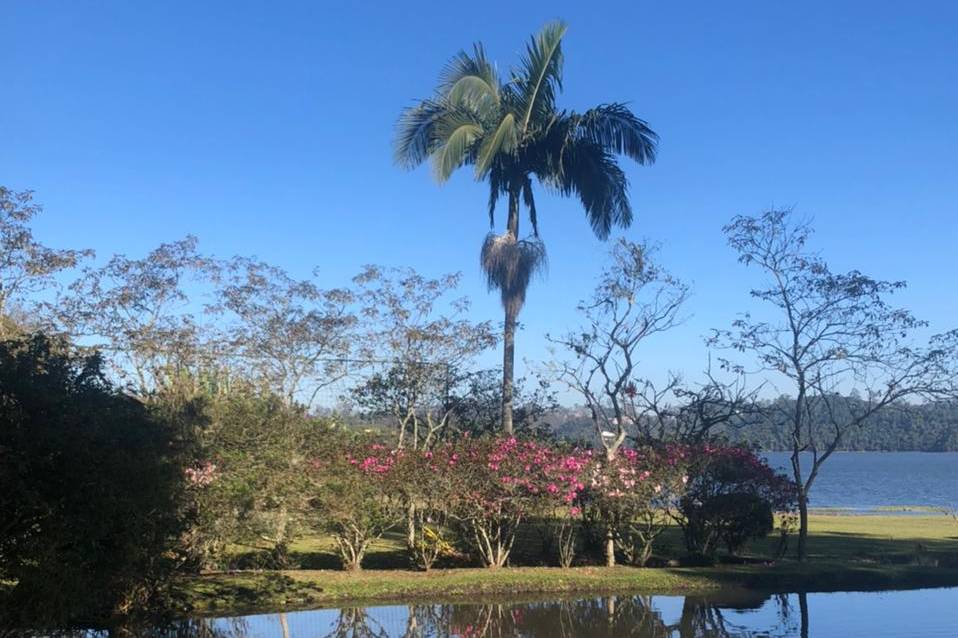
(511, 132)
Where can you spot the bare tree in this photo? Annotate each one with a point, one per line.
(425, 349)
(830, 335)
(289, 335)
(633, 301)
(138, 310)
(690, 414)
(27, 267)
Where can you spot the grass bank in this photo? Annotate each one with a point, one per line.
(846, 553)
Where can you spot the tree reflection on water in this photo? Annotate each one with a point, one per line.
(600, 617)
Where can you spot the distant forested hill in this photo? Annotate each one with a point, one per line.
(931, 427)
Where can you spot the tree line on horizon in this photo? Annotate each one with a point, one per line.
(912, 427)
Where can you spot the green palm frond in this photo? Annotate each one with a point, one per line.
(539, 76)
(457, 133)
(617, 130)
(592, 173)
(502, 141)
(470, 82)
(497, 186)
(530, 201)
(513, 132)
(472, 92)
(475, 66)
(415, 138)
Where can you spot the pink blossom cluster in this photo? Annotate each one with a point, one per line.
(202, 474)
(621, 475)
(507, 474)
(377, 460)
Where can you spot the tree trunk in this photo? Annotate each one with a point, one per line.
(508, 371)
(802, 525)
(411, 527)
(509, 329)
(609, 548)
(803, 610)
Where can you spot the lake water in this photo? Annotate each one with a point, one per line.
(928, 613)
(870, 480)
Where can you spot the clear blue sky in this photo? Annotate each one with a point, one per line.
(265, 128)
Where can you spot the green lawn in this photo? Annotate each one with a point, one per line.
(846, 553)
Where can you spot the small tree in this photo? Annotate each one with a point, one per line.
(501, 481)
(90, 510)
(829, 334)
(287, 334)
(633, 301)
(428, 483)
(424, 346)
(631, 495)
(732, 496)
(27, 267)
(138, 311)
(259, 449)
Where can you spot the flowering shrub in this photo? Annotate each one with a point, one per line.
(503, 481)
(630, 496)
(202, 475)
(427, 482)
(564, 507)
(357, 499)
(732, 497)
(485, 488)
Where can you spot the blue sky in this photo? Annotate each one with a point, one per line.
(265, 128)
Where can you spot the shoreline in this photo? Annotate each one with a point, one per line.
(247, 593)
(849, 553)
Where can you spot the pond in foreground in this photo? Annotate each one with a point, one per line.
(926, 613)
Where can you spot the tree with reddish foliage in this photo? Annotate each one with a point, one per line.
(732, 496)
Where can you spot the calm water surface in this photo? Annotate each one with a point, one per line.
(928, 613)
(870, 480)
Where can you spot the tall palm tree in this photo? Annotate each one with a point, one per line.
(511, 132)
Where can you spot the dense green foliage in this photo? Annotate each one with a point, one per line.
(90, 509)
(247, 477)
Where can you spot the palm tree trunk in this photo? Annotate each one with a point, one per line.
(508, 370)
(509, 328)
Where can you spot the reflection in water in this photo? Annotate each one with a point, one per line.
(929, 613)
(603, 617)
(610, 617)
(702, 618)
